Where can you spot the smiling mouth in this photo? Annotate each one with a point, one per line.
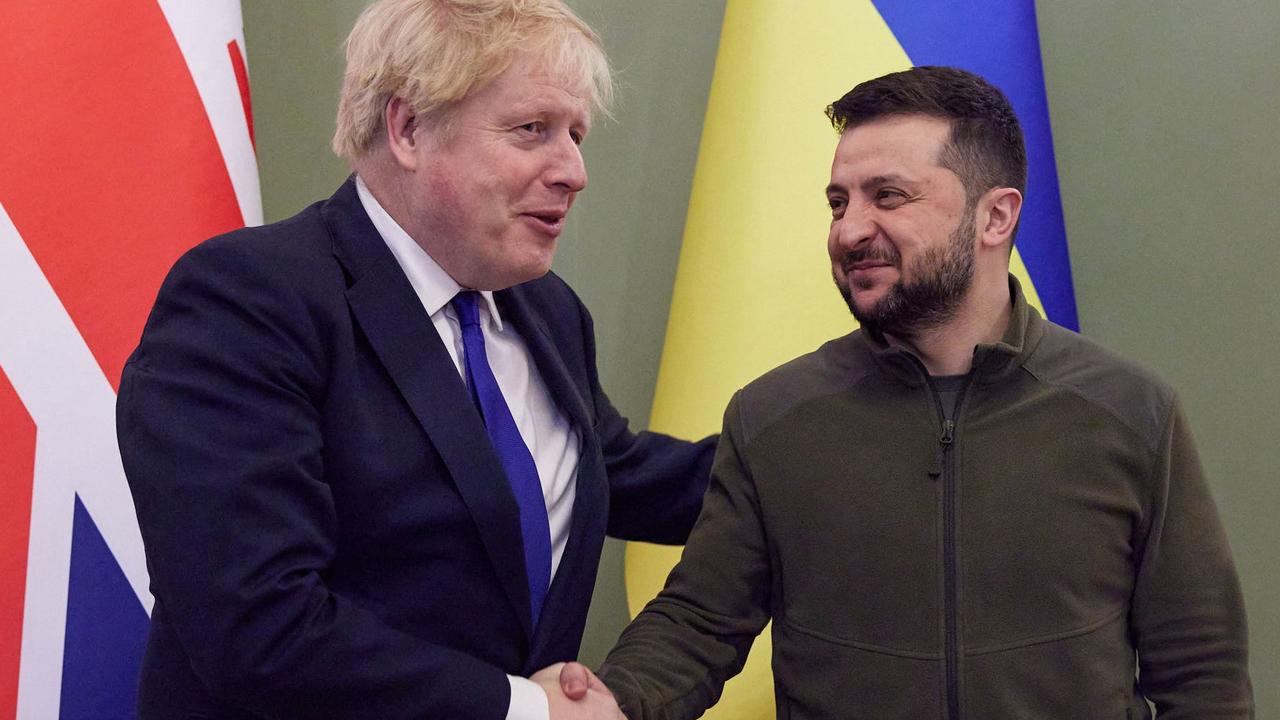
(548, 222)
(866, 268)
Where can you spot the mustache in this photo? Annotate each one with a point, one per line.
(873, 253)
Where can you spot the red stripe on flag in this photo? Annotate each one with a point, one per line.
(242, 80)
(110, 166)
(17, 465)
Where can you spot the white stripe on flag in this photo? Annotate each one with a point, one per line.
(73, 407)
(203, 30)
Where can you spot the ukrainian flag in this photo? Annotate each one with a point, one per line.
(753, 287)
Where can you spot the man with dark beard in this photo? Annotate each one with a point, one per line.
(960, 510)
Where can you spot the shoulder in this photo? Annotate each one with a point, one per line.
(282, 262)
(276, 248)
(1129, 391)
(834, 367)
(271, 286)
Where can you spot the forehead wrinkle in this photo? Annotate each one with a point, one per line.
(889, 179)
(894, 134)
(540, 103)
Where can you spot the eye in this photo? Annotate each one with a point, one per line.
(890, 198)
(577, 136)
(836, 204)
(532, 128)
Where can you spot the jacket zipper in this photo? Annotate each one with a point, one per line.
(951, 610)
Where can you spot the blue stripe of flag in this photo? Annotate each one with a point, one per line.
(106, 631)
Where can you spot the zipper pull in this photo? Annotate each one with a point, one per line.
(948, 435)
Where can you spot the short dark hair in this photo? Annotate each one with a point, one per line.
(985, 147)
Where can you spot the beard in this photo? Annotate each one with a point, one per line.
(941, 278)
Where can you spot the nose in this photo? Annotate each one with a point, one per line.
(567, 170)
(852, 229)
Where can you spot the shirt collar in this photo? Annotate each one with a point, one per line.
(434, 286)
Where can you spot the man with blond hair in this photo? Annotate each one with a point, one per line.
(371, 458)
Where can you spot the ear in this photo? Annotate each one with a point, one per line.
(401, 125)
(1000, 211)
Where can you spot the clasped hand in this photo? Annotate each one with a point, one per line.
(575, 693)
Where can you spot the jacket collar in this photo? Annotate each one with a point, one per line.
(992, 362)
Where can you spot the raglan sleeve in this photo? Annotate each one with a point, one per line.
(1187, 615)
(672, 661)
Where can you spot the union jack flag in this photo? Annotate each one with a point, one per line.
(125, 138)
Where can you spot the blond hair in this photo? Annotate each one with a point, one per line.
(434, 53)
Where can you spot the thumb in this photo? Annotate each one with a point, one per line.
(575, 678)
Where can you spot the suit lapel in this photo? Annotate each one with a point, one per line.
(575, 576)
(567, 394)
(391, 316)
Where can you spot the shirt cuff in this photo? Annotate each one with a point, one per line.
(528, 700)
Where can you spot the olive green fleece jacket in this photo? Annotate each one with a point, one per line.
(1013, 565)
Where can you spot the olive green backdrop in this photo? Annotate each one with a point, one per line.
(1165, 122)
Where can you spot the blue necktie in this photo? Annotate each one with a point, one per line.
(522, 474)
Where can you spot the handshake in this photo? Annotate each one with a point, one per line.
(575, 693)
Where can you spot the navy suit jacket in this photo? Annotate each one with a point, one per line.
(328, 530)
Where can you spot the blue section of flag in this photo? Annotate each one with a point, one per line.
(998, 40)
(106, 631)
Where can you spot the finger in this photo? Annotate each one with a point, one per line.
(575, 679)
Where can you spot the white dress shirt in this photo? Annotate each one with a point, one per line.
(552, 440)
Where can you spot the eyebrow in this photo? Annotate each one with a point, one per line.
(542, 106)
(876, 181)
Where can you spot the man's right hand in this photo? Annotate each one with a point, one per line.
(575, 693)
